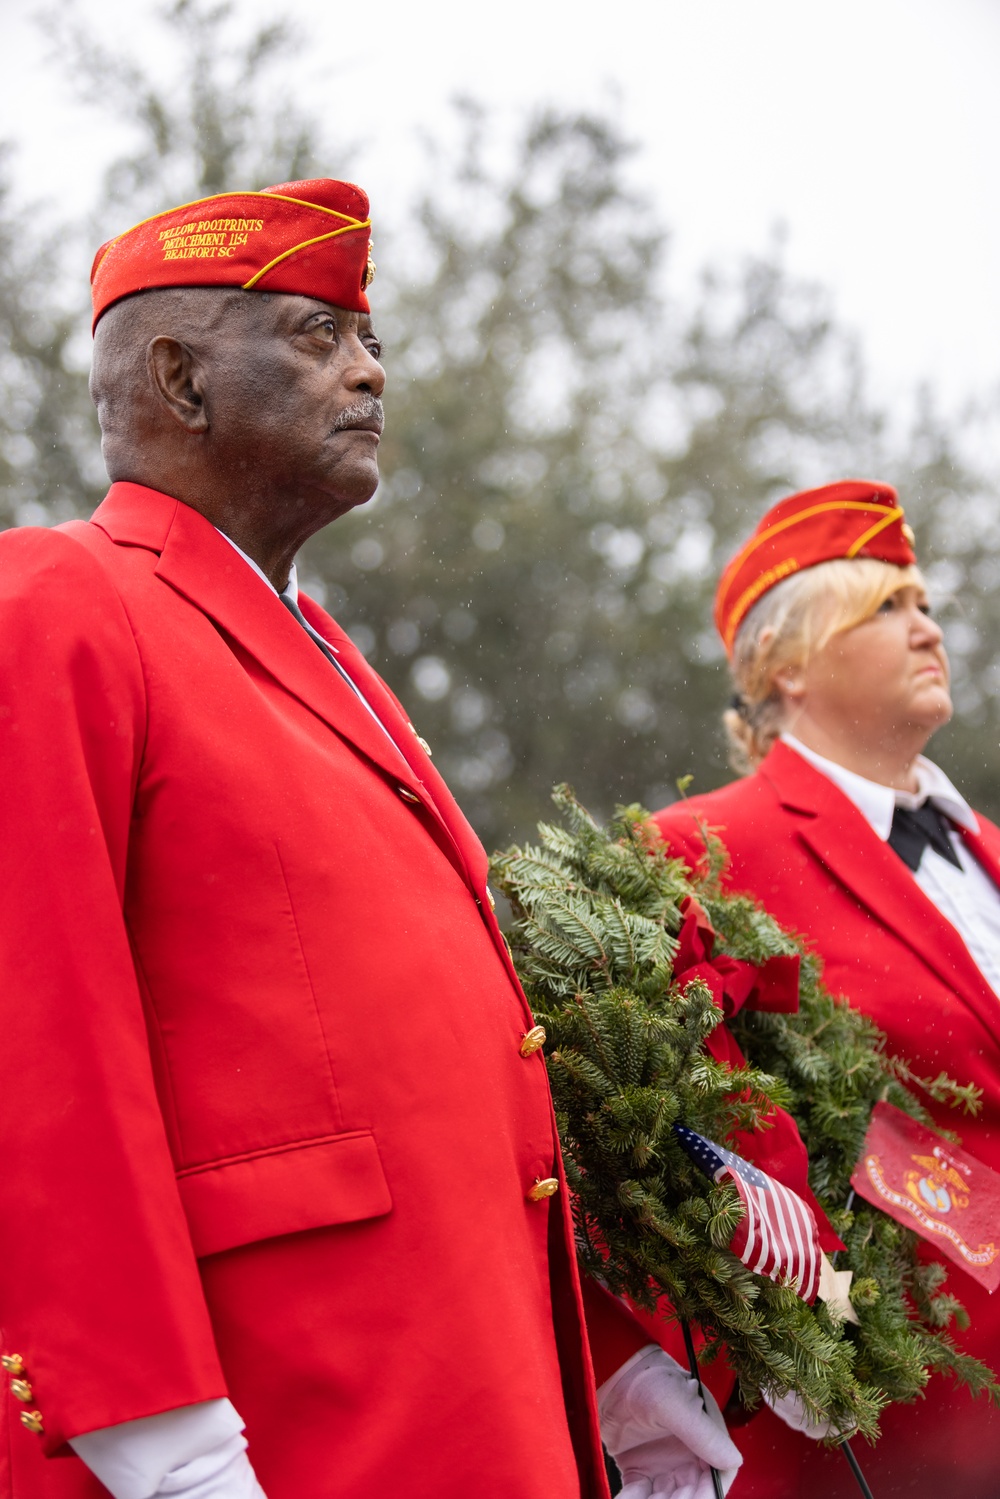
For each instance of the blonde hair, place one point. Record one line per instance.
(795, 619)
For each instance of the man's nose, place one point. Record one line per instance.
(365, 372)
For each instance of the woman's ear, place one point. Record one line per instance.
(790, 682)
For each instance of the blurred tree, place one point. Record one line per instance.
(572, 451)
(948, 476)
(215, 115)
(50, 465)
(569, 459)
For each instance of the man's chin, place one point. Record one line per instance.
(353, 484)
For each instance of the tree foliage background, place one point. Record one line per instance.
(572, 451)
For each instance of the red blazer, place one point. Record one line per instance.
(799, 845)
(268, 1131)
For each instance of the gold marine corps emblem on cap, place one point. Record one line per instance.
(369, 275)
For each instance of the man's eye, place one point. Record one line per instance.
(374, 348)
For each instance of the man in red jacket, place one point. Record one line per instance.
(848, 835)
(279, 1150)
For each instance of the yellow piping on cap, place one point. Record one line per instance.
(320, 238)
(873, 531)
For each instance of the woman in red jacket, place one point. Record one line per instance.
(847, 834)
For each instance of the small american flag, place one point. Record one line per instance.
(777, 1236)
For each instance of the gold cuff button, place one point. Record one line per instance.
(13, 1363)
(408, 796)
(21, 1390)
(533, 1039)
(32, 1420)
(547, 1187)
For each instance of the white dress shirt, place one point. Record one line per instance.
(967, 897)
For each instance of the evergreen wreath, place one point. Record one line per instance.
(596, 914)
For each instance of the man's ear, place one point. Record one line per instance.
(176, 376)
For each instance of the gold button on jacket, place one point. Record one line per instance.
(533, 1039)
(33, 1421)
(13, 1363)
(547, 1187)
(21, 1390)
(420, 739)
(407, 795)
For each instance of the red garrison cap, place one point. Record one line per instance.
(855, 518)
(308, 238)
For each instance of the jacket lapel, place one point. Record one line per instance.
(393, 715)
(202, 566)
(839, 836)
(985, 846)
(464, 839)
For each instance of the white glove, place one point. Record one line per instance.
(660, 1435)
(214, 1475)
(192, 1452)
(794, 1414)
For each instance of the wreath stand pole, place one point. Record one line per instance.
(845, 1445)
(720, 1492)
(852, 1463)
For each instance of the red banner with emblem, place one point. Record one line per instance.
(936, 1188)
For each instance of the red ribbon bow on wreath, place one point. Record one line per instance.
(734, 983)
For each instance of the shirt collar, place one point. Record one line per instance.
(877, 803)
(291, 588)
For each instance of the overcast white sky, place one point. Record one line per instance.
(869, 127)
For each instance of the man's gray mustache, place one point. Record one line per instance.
(365, 409)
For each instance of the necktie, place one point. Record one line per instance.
(327, 650)
(913, 830)
(331, 656)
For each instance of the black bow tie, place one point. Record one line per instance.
(913, 830)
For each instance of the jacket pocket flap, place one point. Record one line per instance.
(309, 1185)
